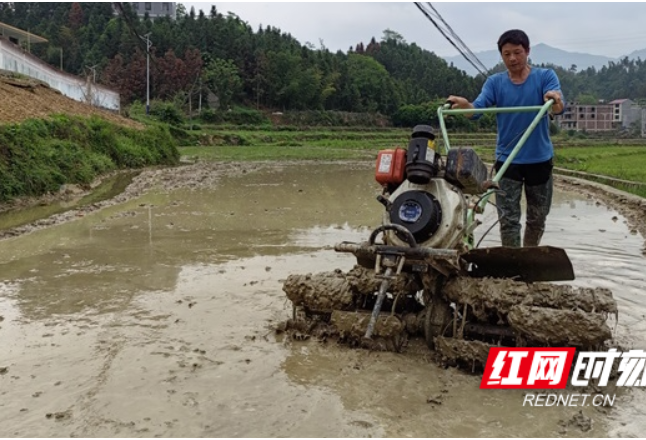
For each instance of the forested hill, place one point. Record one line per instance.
(266, 67)
(261, 67)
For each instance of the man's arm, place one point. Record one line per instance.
(484, 100)
(552, 90)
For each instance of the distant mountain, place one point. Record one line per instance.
(542, 53)
(641, 54)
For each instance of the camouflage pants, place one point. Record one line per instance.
(539, 200)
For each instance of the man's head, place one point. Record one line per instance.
(514, 49)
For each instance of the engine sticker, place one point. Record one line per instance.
(385, 163)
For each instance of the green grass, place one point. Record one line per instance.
(272, 152)
(619, 162)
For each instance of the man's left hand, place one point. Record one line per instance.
(557, 107)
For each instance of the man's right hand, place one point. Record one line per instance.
(458, 102)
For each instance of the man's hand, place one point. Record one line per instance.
(558, 105)
(458, 102)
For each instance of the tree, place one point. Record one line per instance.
(586, 99)
(370, 80)
(76, 18)
(128, 78)
(180, 11)
(390, 35)
(223, 78)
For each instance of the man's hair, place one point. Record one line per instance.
(514, 36)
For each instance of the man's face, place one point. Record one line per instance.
(515, 57)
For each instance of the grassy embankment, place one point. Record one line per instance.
(39, 156)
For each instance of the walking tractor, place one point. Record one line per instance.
(421, 273)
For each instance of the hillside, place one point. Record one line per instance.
(540, 54)
(22, 98)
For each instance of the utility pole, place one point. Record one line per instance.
(200, 100)
(93, 70)
(146, 38)
(90, 90)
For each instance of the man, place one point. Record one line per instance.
(520, 85)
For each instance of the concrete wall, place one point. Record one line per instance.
(14, 59)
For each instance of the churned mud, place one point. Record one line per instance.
(154, 314)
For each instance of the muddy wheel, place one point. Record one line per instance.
(437, 319)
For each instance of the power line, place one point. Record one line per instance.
(131, 27)
(459, 40)
(450, 35)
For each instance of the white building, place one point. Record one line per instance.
(15, 57)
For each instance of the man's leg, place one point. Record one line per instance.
(539, 201)
(508, 204)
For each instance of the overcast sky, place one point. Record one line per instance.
(611, 29)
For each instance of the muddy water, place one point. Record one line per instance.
(153, 318)
(72, 196)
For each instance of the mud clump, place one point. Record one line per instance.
(501, 295)
(322, 292)
(366, 282)
(326, 292)
(355, 324)
(538, 312)
(559, 327)
(489, 311)
(579, 420)
(462, 351)
(348, 328)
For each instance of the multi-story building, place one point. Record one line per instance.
(615, 115)
(625, 112)
(155, 9)
(578, 117)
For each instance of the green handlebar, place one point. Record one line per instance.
(446, 110)
(541, 109)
